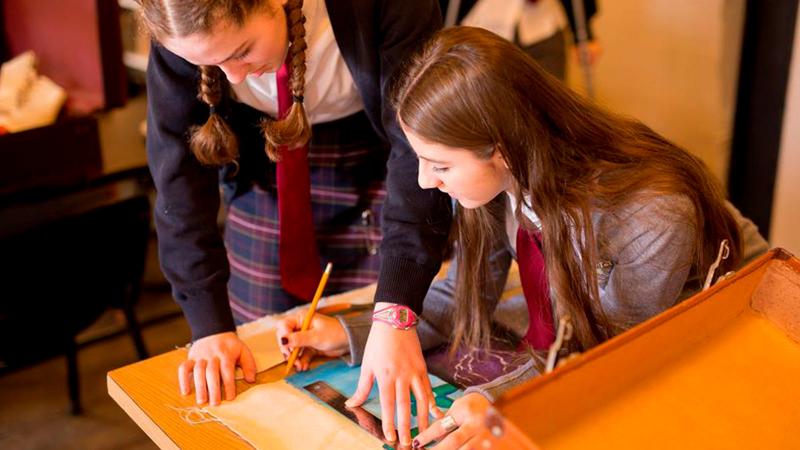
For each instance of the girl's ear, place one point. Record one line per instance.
(499, 156)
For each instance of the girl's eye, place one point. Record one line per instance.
(440, 169)
(241, 56)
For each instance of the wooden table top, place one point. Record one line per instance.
(148, 391)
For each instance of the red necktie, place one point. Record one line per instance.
(533, 278)
(299, 258)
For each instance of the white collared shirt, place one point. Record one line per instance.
(534, 21)
(512, 225)
(330, 92)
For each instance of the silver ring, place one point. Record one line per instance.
(449, 424)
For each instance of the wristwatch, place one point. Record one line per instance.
(398, 316)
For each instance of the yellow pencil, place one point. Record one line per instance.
(310, 314)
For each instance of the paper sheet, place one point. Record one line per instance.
(277, 416)
(282, 415)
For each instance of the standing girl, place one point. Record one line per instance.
(610, 223)
(282, 102)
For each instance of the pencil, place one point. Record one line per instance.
(310, 314)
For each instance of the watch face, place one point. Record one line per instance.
(401, 315)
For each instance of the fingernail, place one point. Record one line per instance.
(415, 444)
(284, 341)
(348, 403)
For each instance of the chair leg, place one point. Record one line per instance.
(73, 379)
(132, 323)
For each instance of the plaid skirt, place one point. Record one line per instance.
(347, 162)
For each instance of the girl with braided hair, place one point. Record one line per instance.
(283, 104)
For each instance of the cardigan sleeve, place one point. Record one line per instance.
(416, 222)
(652, 248)
(191, 249)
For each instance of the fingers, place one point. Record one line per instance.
(364, 387)
(472, 443)
(300, 339)
(283, 329)
(434, 432)
(302, 363)
(248, 364)
(434, 410)
(228, 374)
(184, 379)
(387, 396)
(456, 439)
(201, 395)
(403, 412)
(423, 399)
(212, 381)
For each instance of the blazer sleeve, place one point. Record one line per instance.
(416, 222)
(191, 250)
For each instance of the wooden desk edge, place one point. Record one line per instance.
(156, 434)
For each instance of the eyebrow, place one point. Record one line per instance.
(239, 50)
(435, 161)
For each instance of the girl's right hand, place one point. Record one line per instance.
(324, 336)
(211, 358)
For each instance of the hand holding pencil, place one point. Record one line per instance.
(331, 342)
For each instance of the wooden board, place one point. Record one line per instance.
(712, 372)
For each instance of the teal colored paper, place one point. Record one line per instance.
(344, 379)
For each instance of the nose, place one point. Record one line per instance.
(234, 72)
(426, 178)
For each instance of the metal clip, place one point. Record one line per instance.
(367, 220)
(564, 333)
(724, 252)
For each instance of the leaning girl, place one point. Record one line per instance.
(609, 222)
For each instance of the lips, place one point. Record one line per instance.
(258, 72)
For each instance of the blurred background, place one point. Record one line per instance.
(82, 291)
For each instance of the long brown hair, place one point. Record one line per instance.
(471, 89)
(214, 143)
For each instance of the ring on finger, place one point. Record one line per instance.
(449, 423)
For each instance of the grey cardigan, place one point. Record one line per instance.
(646, 251)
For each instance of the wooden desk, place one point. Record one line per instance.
(147, 390)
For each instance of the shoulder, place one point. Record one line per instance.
(647, 223)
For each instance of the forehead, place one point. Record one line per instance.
(436, 151)
(224, 38)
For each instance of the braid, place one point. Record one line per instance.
(294, 129)
(213, 143)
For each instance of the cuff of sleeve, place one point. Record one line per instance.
(404, 282)
(497, 387)
(207, 314)
(357, 329)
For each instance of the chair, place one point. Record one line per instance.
(65, 260)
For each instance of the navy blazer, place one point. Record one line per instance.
(375, 37)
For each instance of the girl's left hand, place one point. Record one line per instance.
(468, 412)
